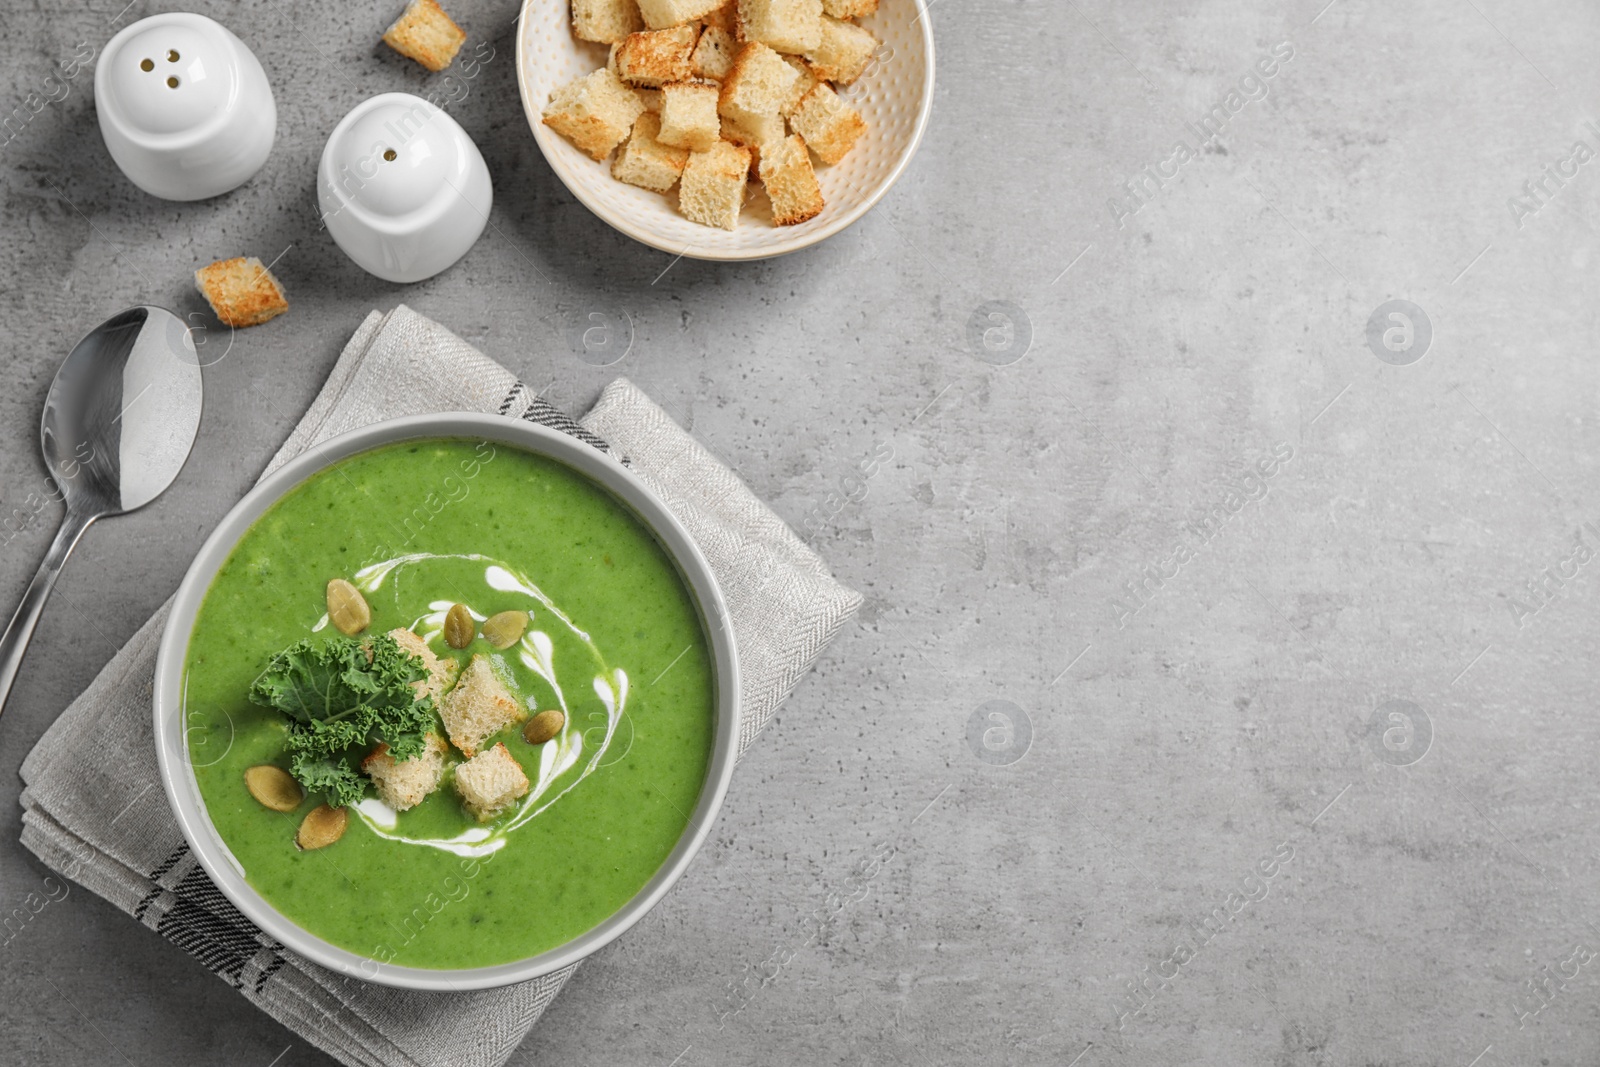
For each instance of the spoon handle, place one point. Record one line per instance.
(20, 630)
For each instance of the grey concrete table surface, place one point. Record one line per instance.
(1284, 587)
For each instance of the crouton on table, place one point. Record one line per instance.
(426, 34)
(241, 291)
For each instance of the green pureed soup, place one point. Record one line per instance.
(614, 640)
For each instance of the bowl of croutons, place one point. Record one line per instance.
(727, 129)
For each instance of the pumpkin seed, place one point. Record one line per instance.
(459, 626)
(321, 827)
(274, 787)
(347, 608)
(505, 629)
(543, 726)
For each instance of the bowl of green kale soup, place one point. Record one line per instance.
(447, 702)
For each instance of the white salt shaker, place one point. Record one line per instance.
(402, 188)
(184, 106)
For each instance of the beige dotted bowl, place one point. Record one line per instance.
(895, 96)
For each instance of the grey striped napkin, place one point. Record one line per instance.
(94, 811)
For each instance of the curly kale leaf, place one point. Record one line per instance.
(335, 779)
(343, 696)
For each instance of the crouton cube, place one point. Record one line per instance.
(689, 116)
(491, 782)
(791, 183)
(241, 291)
(605, 21)
(478, 706)
(725, 17)
(764, 129)
(655, 57)
(712, 191)
(785, 25)
(662, 14)
(423, 32)
(404, 784)
(646, 162)
(803, 84)
(441, 672)
(849, 9)
(758, 85)
(843, 53)
(829, 125)
(713, 56)
(596, 112)
(754, 132)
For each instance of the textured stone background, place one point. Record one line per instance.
(876, 892)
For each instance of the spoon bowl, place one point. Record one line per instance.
(118, 424)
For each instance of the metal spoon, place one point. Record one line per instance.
(118, 424)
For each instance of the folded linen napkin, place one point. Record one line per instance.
(93, 808)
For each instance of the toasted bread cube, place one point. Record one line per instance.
(491, 782)
(849, 9)
(646, 162)
(758, 85)
(605, 21)
(829, 125)
(664, 14)
(404, 784)
(241, 291)
(843, 53)
(596, 112)
(765, 129)
(713, 56)
(478, 706)
(725, 17)
(791, 183)
(803, 84)
(713, 185)
(753, 133)
(655, 57)
(689, 116)
(441, 672)
(786, 25)
(423, 32)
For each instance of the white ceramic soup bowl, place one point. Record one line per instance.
(177, 769)
(894, 95)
